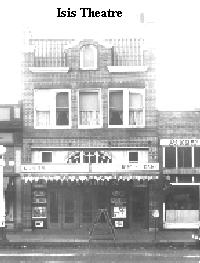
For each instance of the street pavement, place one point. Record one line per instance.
(139, 255)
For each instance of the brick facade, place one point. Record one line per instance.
(58, 67)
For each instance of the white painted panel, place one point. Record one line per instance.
(143, 156)
(181, 225)
(18, 161)
(36, 157)
(119, 155)
(182, 216)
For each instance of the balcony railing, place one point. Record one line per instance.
(127, 53)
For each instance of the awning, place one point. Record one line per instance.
(86, 178)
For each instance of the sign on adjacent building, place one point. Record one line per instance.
(180, 142)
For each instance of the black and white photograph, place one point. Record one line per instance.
(100, 131)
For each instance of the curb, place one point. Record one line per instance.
(95, 244)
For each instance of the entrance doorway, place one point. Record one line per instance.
(139, 207)
(61, 208)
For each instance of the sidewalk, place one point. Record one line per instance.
(125, 237)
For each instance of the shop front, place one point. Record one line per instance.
(72, 201)
(181, 206)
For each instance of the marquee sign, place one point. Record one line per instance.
(180, 142)
(88, 168)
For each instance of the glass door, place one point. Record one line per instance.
(54, 208)
(68, 215)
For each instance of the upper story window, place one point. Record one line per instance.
(185, 157)
(179, 157)
(133, 157)
(46, 157)
(52, 109)
(89, 109)
(73, 157)
(90, 157)
(116, 107)
(88, 57)
(62, 108)
(170, 157)
(138, 156)
(197, 156)
(125, 114)
(135, 108)
(5, 114)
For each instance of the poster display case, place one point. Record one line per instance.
(119, 209)
(39, 206)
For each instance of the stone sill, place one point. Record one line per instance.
(48, 69)
(119, 69)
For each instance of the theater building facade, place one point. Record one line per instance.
(89, 134)
(180, 168)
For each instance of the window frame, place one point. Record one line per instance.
(82, 67)
(52, 110)
(196, 160)
(126, 107)
(177, 160)
(175, 154)
(100, 125)
(60, 109)
(182, 158)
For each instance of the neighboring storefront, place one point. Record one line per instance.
(181, 168)
(11, 139)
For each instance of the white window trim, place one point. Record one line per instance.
(101, 117)
(95, 59)
(52, 110)
(125, 108)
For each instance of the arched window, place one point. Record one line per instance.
(88, 57)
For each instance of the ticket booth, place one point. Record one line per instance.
(119, 209)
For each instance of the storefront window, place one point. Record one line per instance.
(69, 209)
(197, 156)
(170, 157)
(183, 198)
(87, 208)
(9, 205)
(53, 207)
(184, 157)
